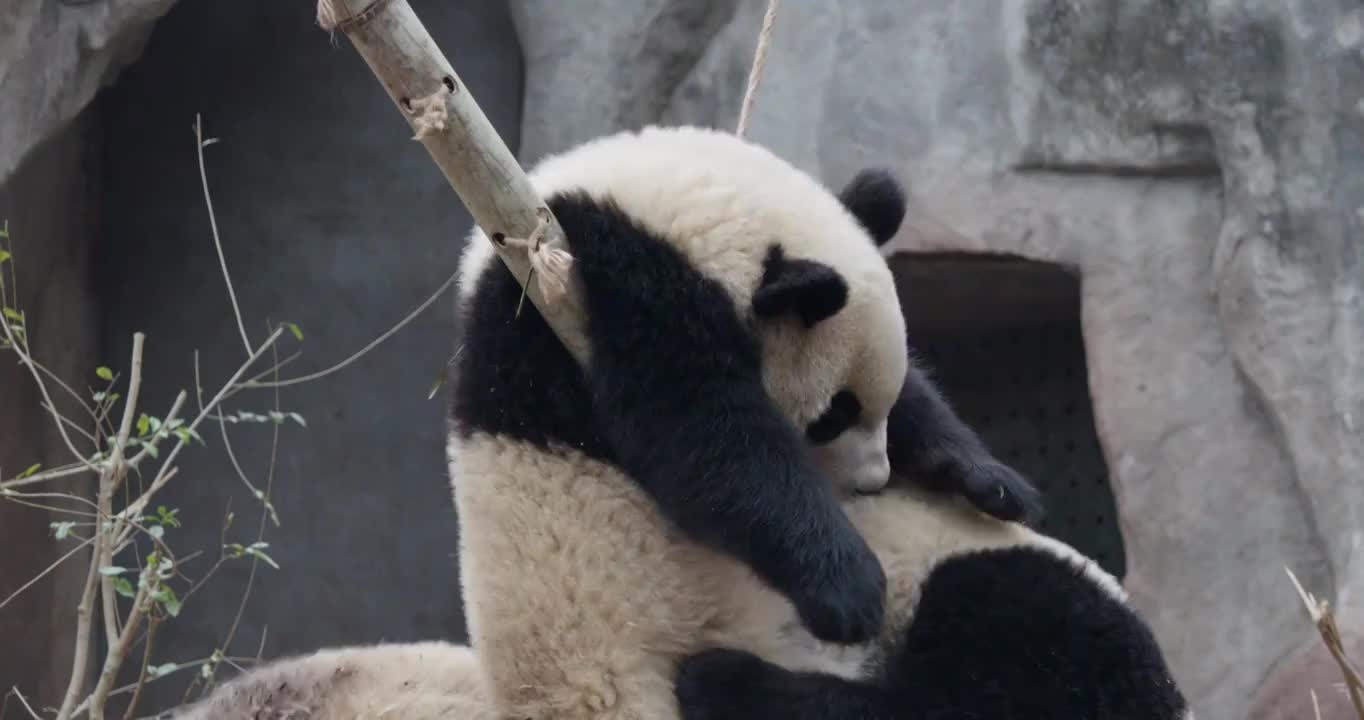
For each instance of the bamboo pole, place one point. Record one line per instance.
(483, 172)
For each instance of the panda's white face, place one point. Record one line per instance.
(800, 263)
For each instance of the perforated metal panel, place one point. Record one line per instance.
(1002, 338)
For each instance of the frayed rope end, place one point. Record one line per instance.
(550, 265)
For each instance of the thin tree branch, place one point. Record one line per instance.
(114, 470)
(44, 573)
(81, 660)
(213, 224)
(364, 350)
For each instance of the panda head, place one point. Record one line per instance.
(800, 264)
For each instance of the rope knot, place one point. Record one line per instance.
(549, 264)
(430, 114)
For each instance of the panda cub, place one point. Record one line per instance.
(745, 350)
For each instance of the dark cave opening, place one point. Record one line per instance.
(1001, 335)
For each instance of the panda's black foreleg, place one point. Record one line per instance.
(734, 685)
(929, 444)
(679, 400)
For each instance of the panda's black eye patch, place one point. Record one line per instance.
(844, 410)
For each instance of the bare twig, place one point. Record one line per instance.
(113, 659)
(213, 225)
(152, 624)
(23, 700)
(755, 72)
(53, 474)
(364, 350)
(72, 424)
(44, 573)
(1324, 619)
(226, 644)
(21, 349)
(81, 660)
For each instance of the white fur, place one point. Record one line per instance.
(408, 681)
(614, 655)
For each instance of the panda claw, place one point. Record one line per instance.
(996, 489)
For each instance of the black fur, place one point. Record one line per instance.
(812, 290)
(876, 199)
(1014, 633)
(928, 444)
(675, 398)
(844, 411)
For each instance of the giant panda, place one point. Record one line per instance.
(984, 619)
(776, 292)
(745, 347)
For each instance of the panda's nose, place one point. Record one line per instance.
(872, 475)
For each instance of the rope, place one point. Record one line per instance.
(332, 22)
(430, 114)
(549, 265)
(755, 73)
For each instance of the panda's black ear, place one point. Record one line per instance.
(812, 290)
(876, 199)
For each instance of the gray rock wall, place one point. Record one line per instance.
(1198, 163)
(52, 203)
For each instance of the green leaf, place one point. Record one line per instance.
(123, 587)
(4, 255)
(112, 570)
(143, 424)
(13, 314)
(298, 334)
(151, 450)
(29, 471)
(298, 419)
(277, 416)
(61, 530)
(156, 531)
(104, 373)
(98, 397)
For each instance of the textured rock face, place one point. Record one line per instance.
(52, 254)
(54, 56)
(1198, 163)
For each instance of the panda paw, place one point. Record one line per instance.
(843, 599)
(996, 489)
(729, 684)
